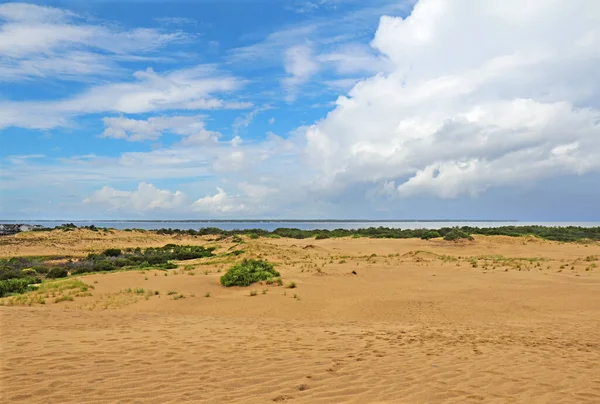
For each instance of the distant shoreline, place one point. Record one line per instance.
(264, 221)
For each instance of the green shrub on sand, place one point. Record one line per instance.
(248, 272)
(456, 234)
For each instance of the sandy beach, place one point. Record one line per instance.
(495, 320)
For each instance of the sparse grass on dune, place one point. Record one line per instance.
(59, 291)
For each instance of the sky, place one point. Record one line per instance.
(292, 109)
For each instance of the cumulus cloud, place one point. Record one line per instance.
(146, 197)
(218, 203)
(479, 94)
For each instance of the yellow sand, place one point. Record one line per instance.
(416, 324)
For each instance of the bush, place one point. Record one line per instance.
(16, 285)
(29, 272)
(248, 272)
(104, 266)
(456, 234)
(321, 236)
(112, 252)
(58, 272)
(168, 265)
(430, 234)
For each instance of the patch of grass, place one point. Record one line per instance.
(291, 285)
(277, 281)
(264, 291)
(247, 272)
(64, 298)
(253, 293)
(180, 296)
(207, 294)
(171, 292)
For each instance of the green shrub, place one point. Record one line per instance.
(104, 266)
(20, 285)
(456, 234)
(168, 265)
(321, 236)
(430, 234)
(29, 272)
(248, 272)
(112, 252)
(58, 272)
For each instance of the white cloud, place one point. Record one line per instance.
(300, 66)
(153, 128)
(479, 95)
(146, 197)
(186, 89)
(242, 122)
(176, 20)
(351, 59)
(256, 191)
(218, 203)
(271, 121)
(38, 41)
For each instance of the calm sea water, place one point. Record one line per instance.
(304, 225)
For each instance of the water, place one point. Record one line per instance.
(270, 225)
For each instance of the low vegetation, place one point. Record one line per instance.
(14, 286)
(457, 234)
(566, 234)
(109, 260)
(58, 291)
(249, 271)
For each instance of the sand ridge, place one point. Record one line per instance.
(493, 320)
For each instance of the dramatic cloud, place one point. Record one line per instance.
(460, 99)
(480, 94)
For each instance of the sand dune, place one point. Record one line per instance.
(511, 320)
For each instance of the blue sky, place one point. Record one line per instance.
(300, 109)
